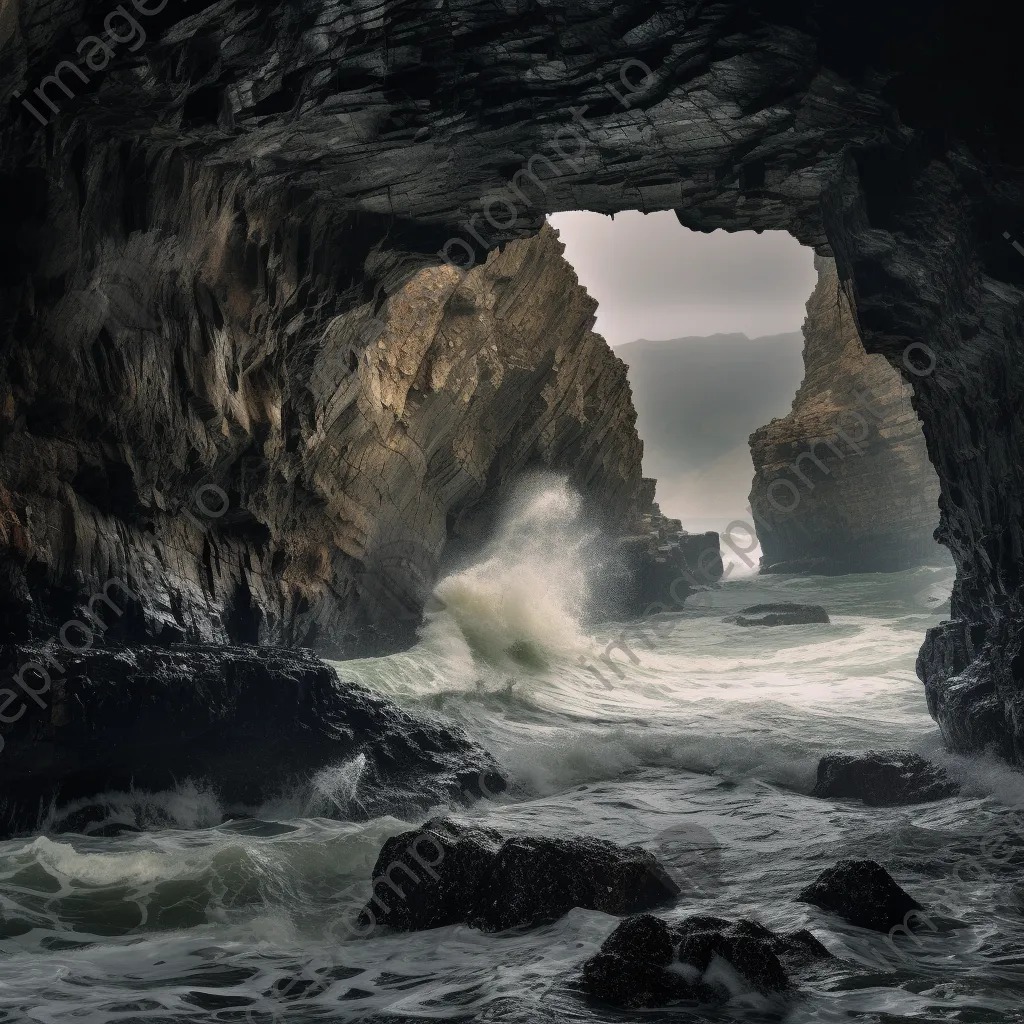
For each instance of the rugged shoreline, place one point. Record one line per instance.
(250, 724)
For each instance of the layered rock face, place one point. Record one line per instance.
(843, 483)
(300, 162)
(261, 473)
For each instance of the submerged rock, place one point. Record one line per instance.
(246, 724)
(647, 963)
(864, 893)
(632, 968)
(883, 778)
(749, 954)
(447, 873)
(782, 613)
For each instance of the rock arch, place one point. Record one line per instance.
(320, 154)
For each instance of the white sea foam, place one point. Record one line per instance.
(703, 751)
(523, 601)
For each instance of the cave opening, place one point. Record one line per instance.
(758, 408)
(298, 258)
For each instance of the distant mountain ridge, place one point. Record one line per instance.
(697, 400)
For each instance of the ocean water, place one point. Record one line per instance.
(699, 741)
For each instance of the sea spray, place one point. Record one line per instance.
(188, 805)
(333, 789)
(524, 599)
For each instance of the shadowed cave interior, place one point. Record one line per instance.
(284, 329)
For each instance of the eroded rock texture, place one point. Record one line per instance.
(253, 171)
(342, 455)
(251, 725)
(843, 482)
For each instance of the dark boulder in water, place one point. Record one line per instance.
(643, 937)
(646, 963)
(447, 872)
(249, 724)
(537, 879)
(639, 984)
(746, 946)
(632, 968)
(431, 877)
(883, 778)
(864, 893)
(782, 613)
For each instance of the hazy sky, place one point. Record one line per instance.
(655, 279)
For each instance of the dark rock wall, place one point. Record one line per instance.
(843, 482)
(359, 139)
(142, 403)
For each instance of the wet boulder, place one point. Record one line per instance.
(634, 968)
(646, 962)
(245, 724)
(863, 893)
(883, 778)
(431, 877)
(800, 950)
(538, 879)
(746, 946)
(447, 872)
(783, 613)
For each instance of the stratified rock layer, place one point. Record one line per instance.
(265, 473)
(843, 483)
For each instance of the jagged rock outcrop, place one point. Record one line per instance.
(656, 564)
(284, 478)
(843, 483)
(299, 163)
(251, 725)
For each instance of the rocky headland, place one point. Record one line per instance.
(290, 481)
(843, 482)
